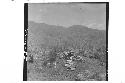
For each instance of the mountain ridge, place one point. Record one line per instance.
(50, 34)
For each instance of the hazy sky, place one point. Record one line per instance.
(68, 14)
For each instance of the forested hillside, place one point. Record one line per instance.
(59, 53)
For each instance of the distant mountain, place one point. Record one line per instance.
(74, 35)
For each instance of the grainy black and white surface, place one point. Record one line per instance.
(66, 41)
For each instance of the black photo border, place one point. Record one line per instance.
(25, 41)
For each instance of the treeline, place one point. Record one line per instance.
(90, 42)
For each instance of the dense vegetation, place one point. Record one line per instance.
(58, 53)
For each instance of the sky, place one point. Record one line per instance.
(68, 14)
